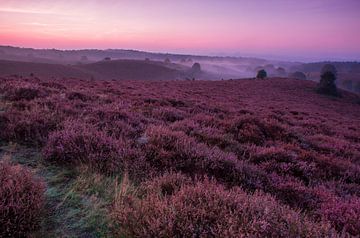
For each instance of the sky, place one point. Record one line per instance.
(297, 30)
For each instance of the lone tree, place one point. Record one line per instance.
(261, 74)
(196, 68)
(327, 81)
(298, 75)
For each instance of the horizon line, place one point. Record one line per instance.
(211, 55)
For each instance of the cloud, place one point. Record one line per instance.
(29, 11)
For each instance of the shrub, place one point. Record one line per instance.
(78, 96)
(261, 74)
(21, 201)
(168, 114)
(253, 130)
(117, 121)
(29, 127)
(82, 143)
(18, 90)
(327, 81)
(329, 68)
(343, 215)
(165, 185)
(298, 75)
(206, 209)
(23, 94)
(174, 151)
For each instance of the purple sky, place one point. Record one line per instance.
(282, 29)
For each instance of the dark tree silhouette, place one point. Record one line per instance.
(261, 74)
(327, 81)
(196, 68)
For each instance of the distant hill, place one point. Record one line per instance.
(131, 70)
(41, 70)
(117, 69)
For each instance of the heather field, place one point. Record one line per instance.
(231, 158)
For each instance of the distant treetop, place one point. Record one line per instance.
(261, 74)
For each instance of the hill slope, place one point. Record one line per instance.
(131, 70)
(117, 69)
(277, 153)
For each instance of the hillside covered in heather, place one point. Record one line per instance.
(230, 158)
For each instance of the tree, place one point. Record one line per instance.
(167, 61)
(329, 68)
(196, 68)
(281, 71)
(298, 75)
(261, 74)
(327, 81)
(107, 58)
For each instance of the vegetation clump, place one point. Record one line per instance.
(262, 74)
(298, 75)
(80, 143)
(206, 209)
(21, 201)
(327, 83)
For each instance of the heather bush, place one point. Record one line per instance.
(78, 96)
(29, 127)
(285, 161)
(168, 150)
(297, 195)
(344, 215)
(82, 143)
(117, 121)
(206, 209)
(21, 201)
(255, 131)
(168, 114)
(174, 151)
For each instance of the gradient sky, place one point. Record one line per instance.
(281, 29)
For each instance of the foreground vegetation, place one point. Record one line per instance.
(182, 158)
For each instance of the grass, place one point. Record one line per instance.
(77, 200)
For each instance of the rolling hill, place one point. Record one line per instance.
(115, 69)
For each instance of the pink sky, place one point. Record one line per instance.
(288, 29)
